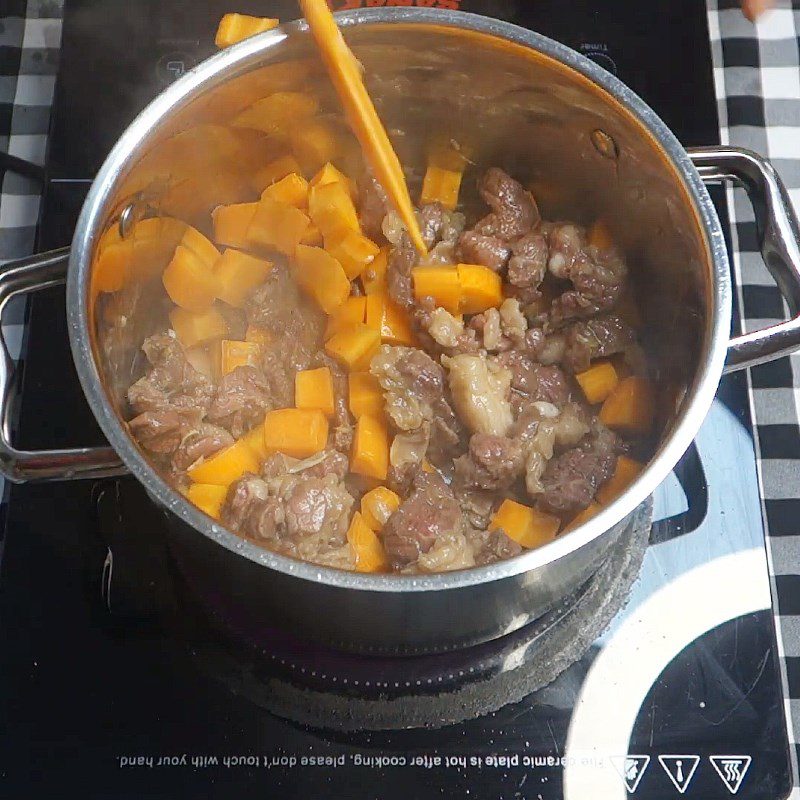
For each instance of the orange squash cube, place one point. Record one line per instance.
(354, 346)
(200, 245)
(441, 186)
(315, 142)
(392, 321)
(353, 251)
(312, 237)
(321, 276)
(377, 506)
(254, 439)
(226, 466)
(208, 498)
(332, 210)
(295, 432)
(441, 283)
(234, 28)
(598, 381)
(231, 223)
(527, 526)
(278, 113)
(277, 226)
(275, 171)
(370, 453)
(329, 174)
(313, 388)
(367, 547)
(238, 275)
(630, 409)
(190, 284)
(481, 288)
(625, 473)
(197, 327)
(373, 278)
(353, 310)
(292, 190)
(365, 395)
(230, 354)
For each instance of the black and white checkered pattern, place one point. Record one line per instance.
(757, 77)
(758, 85)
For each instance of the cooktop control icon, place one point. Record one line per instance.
(680, 769)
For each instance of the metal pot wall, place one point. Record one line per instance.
(517, 100)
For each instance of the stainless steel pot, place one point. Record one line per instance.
(521, 101)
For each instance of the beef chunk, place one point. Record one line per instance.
(202, 442)
(161, 432)
(317, 507)
(241, 400)
(480, 390)
(597, 275)
(492, 546)
(493, 462)
(514, 210)
(478, 248)
(171, 383)
(429, 513)
(251, 511)
(528, 265)
(572, 479)
(372, 207)
(342, 429)
(596, 338)
(534, 380)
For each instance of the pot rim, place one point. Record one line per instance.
(252, 52)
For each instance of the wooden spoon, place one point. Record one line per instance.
(344, 72)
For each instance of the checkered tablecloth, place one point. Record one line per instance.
(757, 77)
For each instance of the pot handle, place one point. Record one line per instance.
(779, 237)
(21, 466)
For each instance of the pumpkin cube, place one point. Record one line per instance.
(625, 473)
(481, 288)
(313, 388)
(255, 441)
(295, 432)
(197, 327)
(190, 284)
(231, 223)
(312, 237)
(329, 174)
(315, 142)
(238, 275)
(226, 466)
(365, 395)
(441, 283)
(354, 346)
(321, 276)
(275, 171)
(228, 354)
(367, 547)
(527, 526)
(377, 506)
(277, 226)
(332, 210)
(353, 251)
(386, 316)
(441, 186)
(630, 409)
(373, 278)
(236, 27)
(278, 113)
(208, 498)
(292, 190)
(370, 453)
(200, 246)
(598, 381)
(353, 310)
